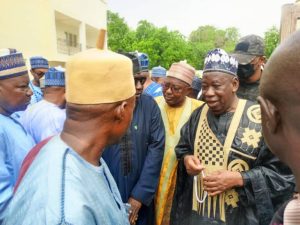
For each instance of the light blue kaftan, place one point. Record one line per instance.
(60, 187)
(37, 94)
(154, 90)
(43, 119)
(15, 143)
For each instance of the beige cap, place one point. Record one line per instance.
(182, 71)
(98, 76)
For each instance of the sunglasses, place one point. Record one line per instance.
(142, 80)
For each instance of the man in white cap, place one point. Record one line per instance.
(226, 174)
(15, 142)
(176, 109)
(64, 179)
(46, 118)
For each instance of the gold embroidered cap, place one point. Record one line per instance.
(182, 71)
(12, 64)
(98, 76)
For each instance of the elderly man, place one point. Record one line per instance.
(64, 179)
(176, 109)
(46, 118)
(15, 142)
(135, 162)
(249, 52)
(227, 176)
(280, 116)
(39, 66)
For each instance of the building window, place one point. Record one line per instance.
(71, 39)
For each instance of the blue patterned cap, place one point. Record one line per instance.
(55, 77)
(144, 61)
(196, 83)
(218, 60)
(37, 62)
(12, 64)
(158, 72)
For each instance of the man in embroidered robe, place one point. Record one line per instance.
(135, 162)
(39, 66)
(15, 142)
(46, 118)
(176, 109)
(64, 179)
(279, 103)
(241, 181)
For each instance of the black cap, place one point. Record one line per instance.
(248, 48)
(135, 61)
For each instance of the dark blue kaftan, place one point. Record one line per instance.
(135, 162)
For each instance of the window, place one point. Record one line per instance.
(71, 39)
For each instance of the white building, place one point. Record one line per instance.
(54, 29)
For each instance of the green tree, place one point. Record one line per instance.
(118, 33)
(165, 47)
(271, 40)
(206, 38)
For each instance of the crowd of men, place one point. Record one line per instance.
(108, 141)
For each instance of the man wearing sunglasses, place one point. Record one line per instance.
(176, 109)
(135, 162)
(249, 53)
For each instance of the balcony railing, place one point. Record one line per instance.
(65, 48)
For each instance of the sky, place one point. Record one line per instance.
(249, 16)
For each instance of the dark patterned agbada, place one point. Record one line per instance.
(231, 141)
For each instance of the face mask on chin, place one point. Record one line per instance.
(245, 71)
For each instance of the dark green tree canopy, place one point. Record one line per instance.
(165, 47)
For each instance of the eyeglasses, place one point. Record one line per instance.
(174, 88)
(142, 80)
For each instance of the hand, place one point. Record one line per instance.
(220, 181)
(134, 210)
(192, 165)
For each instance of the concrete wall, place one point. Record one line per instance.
(289, 20)
(30, 25)
(92, 12)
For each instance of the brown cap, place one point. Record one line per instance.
(182, 71)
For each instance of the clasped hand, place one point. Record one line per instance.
(214, 183)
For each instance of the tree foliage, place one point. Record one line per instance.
(118, 32)
(165, 47)
(208, 37)
(271, 40)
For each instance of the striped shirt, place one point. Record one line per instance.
(292, 212)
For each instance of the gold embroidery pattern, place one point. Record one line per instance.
(254, 114)
(209, 151)
(251, 137)
(231, 196)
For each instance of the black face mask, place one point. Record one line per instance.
(245, 71)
